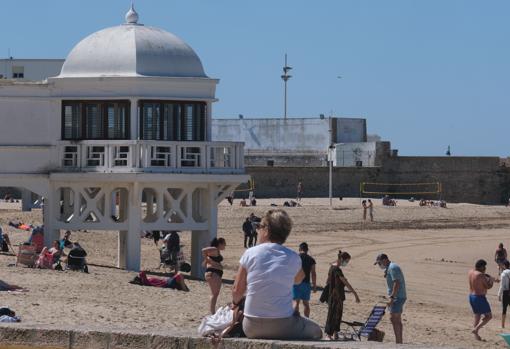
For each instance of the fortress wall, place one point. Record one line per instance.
(479, 180)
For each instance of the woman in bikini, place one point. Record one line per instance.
(214, 269)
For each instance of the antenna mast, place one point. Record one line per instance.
(285, 77)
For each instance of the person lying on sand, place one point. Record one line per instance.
(4, 286)
(176, 282)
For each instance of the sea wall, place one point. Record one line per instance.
(16, 337)
(480, 180)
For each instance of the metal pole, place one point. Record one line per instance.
(330, 156)
(285, 77)
(330, 180)
(285, 96)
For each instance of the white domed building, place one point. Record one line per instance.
(121, 140)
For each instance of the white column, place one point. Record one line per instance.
(202, 238)
(50, 211)
(134, 241)
(149, 202)
(130, 241)
(122, 245)
(26, 200)
(67, 204)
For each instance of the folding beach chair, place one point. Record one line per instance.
(506, 337)
(367, 329)
(27, 255)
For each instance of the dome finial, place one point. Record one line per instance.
(131, 15)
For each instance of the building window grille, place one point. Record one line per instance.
(173, 120)
(82, 120)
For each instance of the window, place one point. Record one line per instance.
(18, 72)
(95, 120)
(172, 120)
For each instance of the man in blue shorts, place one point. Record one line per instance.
(302, 291)
(479, 283)
(396, 291)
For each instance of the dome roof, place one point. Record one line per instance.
(132, 49)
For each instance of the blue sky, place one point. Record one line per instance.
(425, 74)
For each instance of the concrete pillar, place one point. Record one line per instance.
(130, 241)
(67, 203)
(50, 211)
(122, 245)
(201, 239)
(26, 200)
(113, 204)
(149, 201)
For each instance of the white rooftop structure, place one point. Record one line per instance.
(121, 140)
(132, 49)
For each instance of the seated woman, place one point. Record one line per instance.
(49, 257)
(5, 242)
(267, 274)
(176, 282)
(4, 286)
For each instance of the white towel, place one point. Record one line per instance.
(216, 323)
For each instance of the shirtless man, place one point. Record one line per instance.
(479, 283)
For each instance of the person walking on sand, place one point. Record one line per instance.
(300, 191)
(479, 283)
(371, 210)
(500, 256)
(504, 291)
(396, 291)
(301, 292)
(248, 233)
(214, 269)
(337, 283)
(365, 207)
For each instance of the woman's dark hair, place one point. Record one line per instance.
(506, 264)
(56, 242)
(217, 242)
(278, 224)
(343, 255)
(303, 247)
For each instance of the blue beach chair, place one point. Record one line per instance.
(506, 337)
(368, 328)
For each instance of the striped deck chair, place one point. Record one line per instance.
(368, 328)
(27, 255)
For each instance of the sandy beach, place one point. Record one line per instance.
(435, 248)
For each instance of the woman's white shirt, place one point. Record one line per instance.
(271, 270)
(504, 285)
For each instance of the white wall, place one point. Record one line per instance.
(29, 121)
(307, 135)
(34, 69)
(347, 154)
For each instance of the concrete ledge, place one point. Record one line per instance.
(13, 336)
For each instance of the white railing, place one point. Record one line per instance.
(151, 156)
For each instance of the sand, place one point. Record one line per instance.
(435, 248)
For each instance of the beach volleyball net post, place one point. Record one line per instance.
(246, 187)
(402, 190)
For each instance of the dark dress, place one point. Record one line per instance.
(335, 301)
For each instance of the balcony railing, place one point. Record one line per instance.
(152, 156)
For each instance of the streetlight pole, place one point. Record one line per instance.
(285, 77)
(330, 160)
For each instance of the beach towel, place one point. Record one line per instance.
(215, 324)
(6, 318)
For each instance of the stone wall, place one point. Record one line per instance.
(464, 179)
(14, 336)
